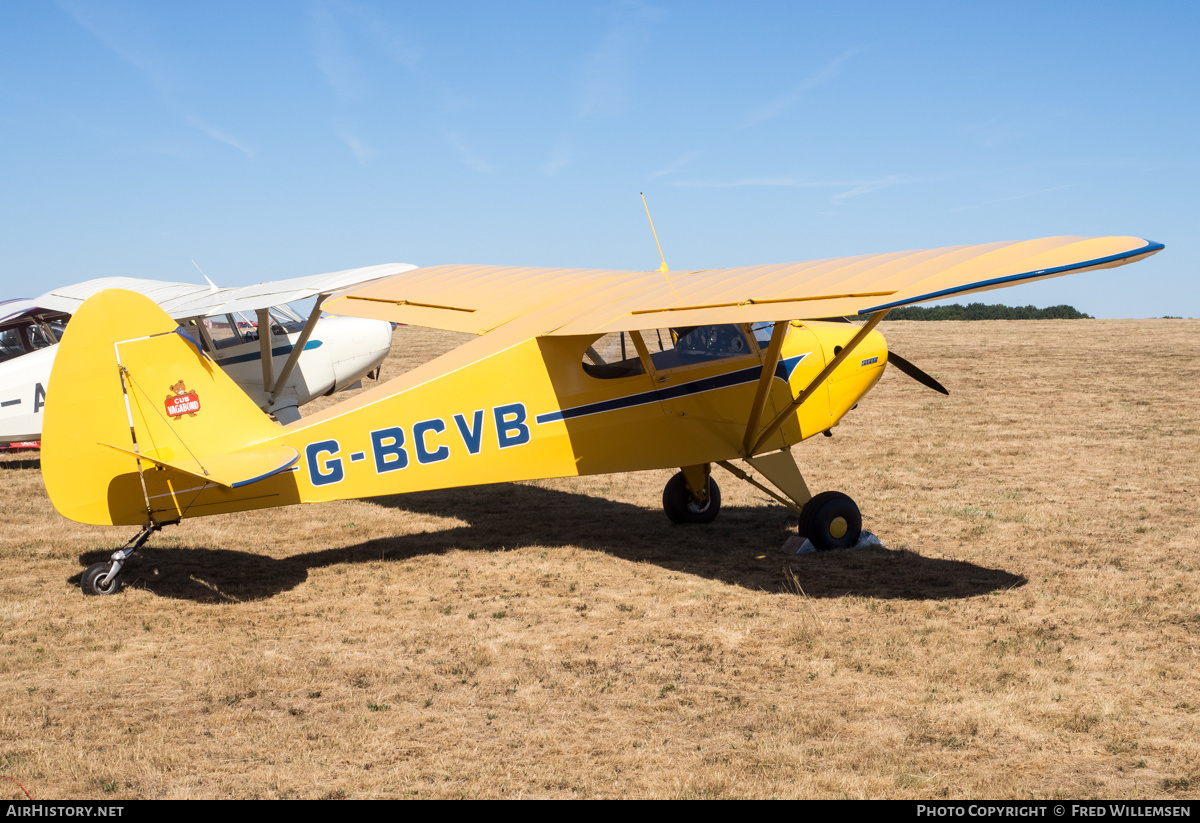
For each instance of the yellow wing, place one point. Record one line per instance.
(587, 301)
(478, 299)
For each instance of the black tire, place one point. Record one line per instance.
(682, 508)
(90, 582)
(831, 520)
(806, 511)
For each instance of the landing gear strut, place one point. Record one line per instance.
(830, 520)
(105, 578)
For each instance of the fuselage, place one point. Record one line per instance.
(505, 406)
(540, 409)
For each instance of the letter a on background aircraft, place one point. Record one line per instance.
(573, 372)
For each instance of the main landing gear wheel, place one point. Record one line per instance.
(97, 580)
(681, 507)
(831, 520)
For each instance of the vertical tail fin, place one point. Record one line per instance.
(138, 418)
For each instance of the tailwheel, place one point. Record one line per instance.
(682, 506)
(101, 579)
(105, 578)
(831, 520)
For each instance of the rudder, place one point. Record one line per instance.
(126, 379)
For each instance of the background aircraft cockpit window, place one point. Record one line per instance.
(246, 325)
(224, 331)
(234, 329)
(32, 331)
(11, 344)
(29, 334)
(284, 321)
(38, 337)
(613, 355)
(687, 345)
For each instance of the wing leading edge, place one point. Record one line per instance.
(583, 301)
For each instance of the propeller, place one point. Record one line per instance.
(915, 373)
(902, 364)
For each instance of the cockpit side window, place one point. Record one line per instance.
(762, 334)
(613, 355)
(689, 345)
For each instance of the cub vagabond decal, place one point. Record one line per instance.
(181, 401)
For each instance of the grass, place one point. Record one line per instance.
(1030, 629)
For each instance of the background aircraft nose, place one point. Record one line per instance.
(357, 346)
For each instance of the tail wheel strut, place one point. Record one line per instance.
(105, 578)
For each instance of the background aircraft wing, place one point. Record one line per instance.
(182, 300)
(16, 309)
(478, 299)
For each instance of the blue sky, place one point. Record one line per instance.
(267, 140)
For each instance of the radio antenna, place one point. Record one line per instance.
(211, 285)
(663, 268)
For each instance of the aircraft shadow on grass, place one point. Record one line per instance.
(741, 548)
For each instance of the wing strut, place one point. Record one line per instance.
(741, 475)
(205, 335)
(783, 416)
(264, 346)
(770, 362)
(294, 357)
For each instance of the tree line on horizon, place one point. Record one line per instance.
(980, 311)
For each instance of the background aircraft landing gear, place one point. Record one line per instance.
(831, 520)
(105, 578)
(682, 507)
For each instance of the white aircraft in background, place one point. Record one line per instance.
(279, 358)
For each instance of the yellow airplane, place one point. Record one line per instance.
(574, 372)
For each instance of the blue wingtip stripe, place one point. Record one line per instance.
(1149, 248)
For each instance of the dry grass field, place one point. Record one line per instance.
(1031, 628)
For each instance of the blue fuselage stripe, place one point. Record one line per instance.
(721, 381)
(278, 351)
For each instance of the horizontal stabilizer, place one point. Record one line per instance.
(229, 470)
